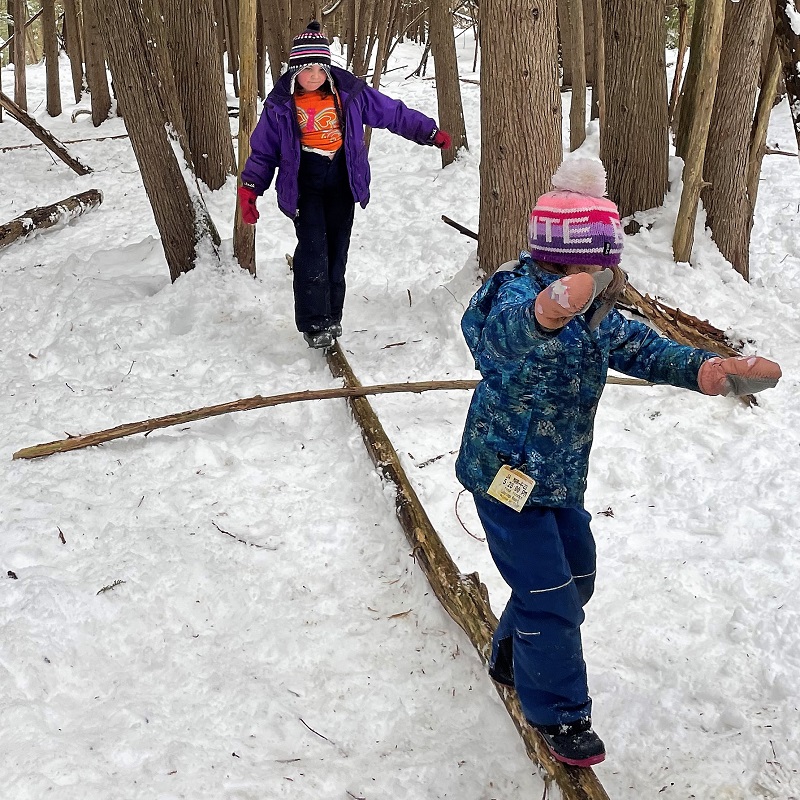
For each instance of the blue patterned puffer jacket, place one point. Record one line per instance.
(535, 407)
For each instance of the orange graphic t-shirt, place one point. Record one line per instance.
(318, 121)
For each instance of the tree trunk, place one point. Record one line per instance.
(634, 140)
(244, 236)
(788, 36)
(520, 151)
(135, 42)
(50, 44)
(565, 39)
(448, 87)
(201, 88)
(20, 16)
(232, 39)
(599, 82)
(95, 63)
(43, 217)
(729, 209)
(682, 122)
(276, 35)
(707, 45)
(766, 102)
(73, 41)
(577, 110)
(683, 42)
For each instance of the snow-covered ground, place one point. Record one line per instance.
(147, 654)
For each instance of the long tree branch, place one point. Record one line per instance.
(248, 404)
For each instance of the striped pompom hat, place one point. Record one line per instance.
(575, 224)
(310, 47)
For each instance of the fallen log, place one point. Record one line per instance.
(42, 134)
(43, 217)
(248, 404)
(464, 597)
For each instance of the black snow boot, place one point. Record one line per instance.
(319, 340)
(573, 743)
(335, 330)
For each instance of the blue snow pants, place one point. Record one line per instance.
(323, 224)
(547, 557)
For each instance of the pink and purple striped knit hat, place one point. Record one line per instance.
(310, 47)
(575, 224)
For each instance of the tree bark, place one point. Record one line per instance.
(50, 44)
(565, 40)
(232, 40)
(702, 97)
(599, 81)
(244, 236)
(43, 217)
(683, 42)
(789, 44)
(276, 35)
(766, 102)
(73, 40)
(634, 140)
(682, 122)
(448, 88)
(520, 152)
(199, 80)
(729, 208)
(135, 42)
(577, 110)
(43, 135)
(20, 18)
(95, 63)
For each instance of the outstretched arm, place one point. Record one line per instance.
(382, 111)
(639, 351)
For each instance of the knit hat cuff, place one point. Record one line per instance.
(574, 256)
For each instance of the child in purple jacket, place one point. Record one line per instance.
(312, 132)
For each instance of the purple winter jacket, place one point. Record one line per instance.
(275, 143)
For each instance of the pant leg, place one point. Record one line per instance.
(312, 304)
(544, 611)
(339, 214)
(579, 548)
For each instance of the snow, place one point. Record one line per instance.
(230, 609)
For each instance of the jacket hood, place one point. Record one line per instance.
(281, 94)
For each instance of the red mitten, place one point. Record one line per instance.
(742, 375)
(556, 305)
(247, 204)
(442, 140)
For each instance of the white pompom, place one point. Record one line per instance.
(581, 175)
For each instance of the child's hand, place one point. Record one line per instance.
(247, 204)
(742, 375)
(442, 140)
(556, 305)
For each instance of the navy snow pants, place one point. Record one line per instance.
(323, 224)
(547, 557)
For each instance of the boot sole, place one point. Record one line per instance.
(577, 762)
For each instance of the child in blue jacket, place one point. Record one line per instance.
(312, 132)
(543, 335)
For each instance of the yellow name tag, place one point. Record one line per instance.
(511, 487)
